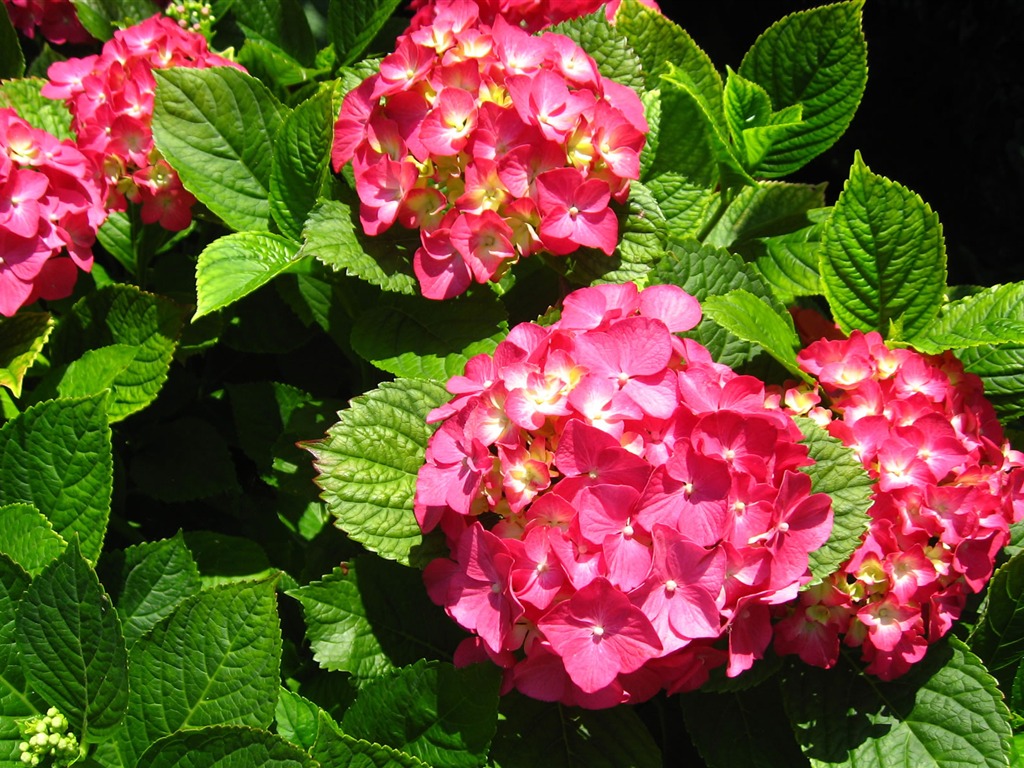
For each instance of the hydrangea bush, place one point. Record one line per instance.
(470, 384)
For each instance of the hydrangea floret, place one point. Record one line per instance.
(54, 20)
(531, 15)
(622, 513)
(110, 96)
(50, 209)
(493, 143)
(46, 738)
(947, 487)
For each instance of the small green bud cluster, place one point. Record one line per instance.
(47, 736)
(193, 15)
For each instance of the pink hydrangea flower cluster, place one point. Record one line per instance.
(531, 15)
(54, 20)
(493, 143)
(622, 512)
(50, 209)
(110, 96)
(947, 487)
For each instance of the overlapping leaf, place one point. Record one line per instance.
(372, 616)
(213, 661)
(71, 645)
(334, 235)
(442, 715)
(225, 747)
(301, 163)
(28, 538)
(57, 457)
(216, 127)
(235, 265)
(369, 461)
(421, 338)
(946, 712)
(816, 59)
(158, 576)
(884, 259)
(992, 316)
(21, 340)
(136, 330)
(839, 473)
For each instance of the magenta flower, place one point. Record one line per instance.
(650, 540)
(472, 117)
(599, 634)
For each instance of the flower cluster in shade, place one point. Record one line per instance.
(54, 20)
(50, 209)
(531, 15)
(946, 488)
(622, 513)
(110, 96)
(493, 143)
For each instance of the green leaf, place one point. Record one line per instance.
(121, 314)
(752, 319)
(132, 242)
(158, 576)
(225, 747)
(24, 97)
(57, 456)
(273, 66)
(71, 645)
(339, 750)
(334, 235)
(703, 271)
(28, 538)
(354, 23)
(998, 635)
(297, 719)
(642, 242)
(768, 209)
(759, 734)
(370, 616)
(946, 712)
(685, 205)
(281, 23)
(369, 461)
(301, 163)
(990, 317)
(224, 559)
(661, 43)
(838, 472)
(214, 661)
(607, 45)
(753, 126)
(685, 143)
(1001, 368)
(533, 733)
(22, 338)
(12, 60)
(883, 259)
(216, 127)
(789, 263)
(442, 715)
(97, 370)
(101, 17)
(426, 339)
(235, 265)
(816, 59)
(16, 700)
